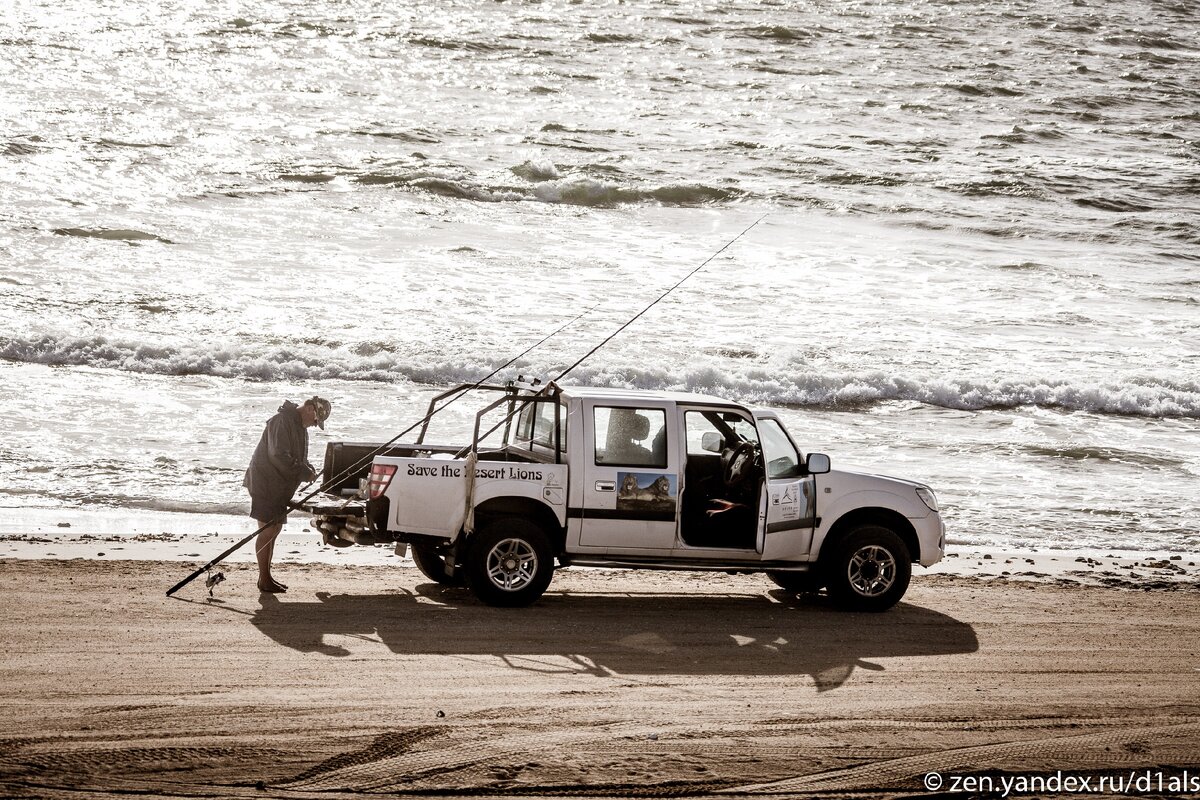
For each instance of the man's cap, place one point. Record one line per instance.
(322, 407)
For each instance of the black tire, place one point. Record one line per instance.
(433, 566)
(798, 582)
(869, 570)
(509, 562)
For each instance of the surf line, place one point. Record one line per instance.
(332, 481)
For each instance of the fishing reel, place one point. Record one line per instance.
(212, 580)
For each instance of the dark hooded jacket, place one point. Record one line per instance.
(280, 462)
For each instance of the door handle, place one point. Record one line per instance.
(606, 486)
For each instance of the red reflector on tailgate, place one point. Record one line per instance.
(378, 479)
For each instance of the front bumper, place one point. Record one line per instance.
(931, 533)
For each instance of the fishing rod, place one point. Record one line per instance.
(331, 481)
(658, 299)
(609, 338)
(213, 580)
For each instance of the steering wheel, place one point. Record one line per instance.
(736, 463)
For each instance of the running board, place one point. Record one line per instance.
(692, 566)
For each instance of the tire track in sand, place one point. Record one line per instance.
(907, 772)
(482, 764)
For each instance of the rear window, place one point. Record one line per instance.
(535, 425)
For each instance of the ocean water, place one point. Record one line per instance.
(977, 265)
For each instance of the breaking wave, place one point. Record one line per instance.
(767, 386)
(112, 234)
(588, 192)
(539, 182)
(85, 496)
(267, 364)
(752, 383)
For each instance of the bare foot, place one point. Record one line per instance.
(272, 587)
(722, 506)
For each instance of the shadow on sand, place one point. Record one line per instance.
(623, 634)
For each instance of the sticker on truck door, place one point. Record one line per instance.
(789, 504)
(796, 501)
(647, 491)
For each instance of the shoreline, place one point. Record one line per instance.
(1147, 571)
(32, 534)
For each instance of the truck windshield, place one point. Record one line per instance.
(781, 458)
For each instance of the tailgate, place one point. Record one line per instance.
(428, 496)
(328, 505)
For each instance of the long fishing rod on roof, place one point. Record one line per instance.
(553, 383)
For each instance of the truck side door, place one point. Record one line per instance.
(630, 477)
(787, 531)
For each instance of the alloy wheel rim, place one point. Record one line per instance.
(871, 571)
(511, 564)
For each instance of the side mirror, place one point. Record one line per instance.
(711, 442)
(817, 463)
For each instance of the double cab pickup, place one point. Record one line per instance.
(575, 476)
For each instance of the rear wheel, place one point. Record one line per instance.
(509, 563)
(433, 566)
(870, 569)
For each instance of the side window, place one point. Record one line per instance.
(700, 432)
(631, 437)
(781, 458)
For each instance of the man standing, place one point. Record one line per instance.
(279, 465)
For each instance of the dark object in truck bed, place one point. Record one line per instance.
(354, 458)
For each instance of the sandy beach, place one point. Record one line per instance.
(370, 679)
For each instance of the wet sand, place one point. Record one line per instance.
(371, 679)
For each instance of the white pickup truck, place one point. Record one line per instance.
(630, 479)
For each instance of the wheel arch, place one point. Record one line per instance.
(873, 515)
(526, 507)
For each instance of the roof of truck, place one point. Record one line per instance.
(609, 393)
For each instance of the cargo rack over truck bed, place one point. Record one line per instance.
(346, 464)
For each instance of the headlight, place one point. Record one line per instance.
(927, 497)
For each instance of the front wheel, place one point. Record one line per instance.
(433, 566)
(870, 569)
(509, 563)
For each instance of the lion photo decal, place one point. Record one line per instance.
(646, 491)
